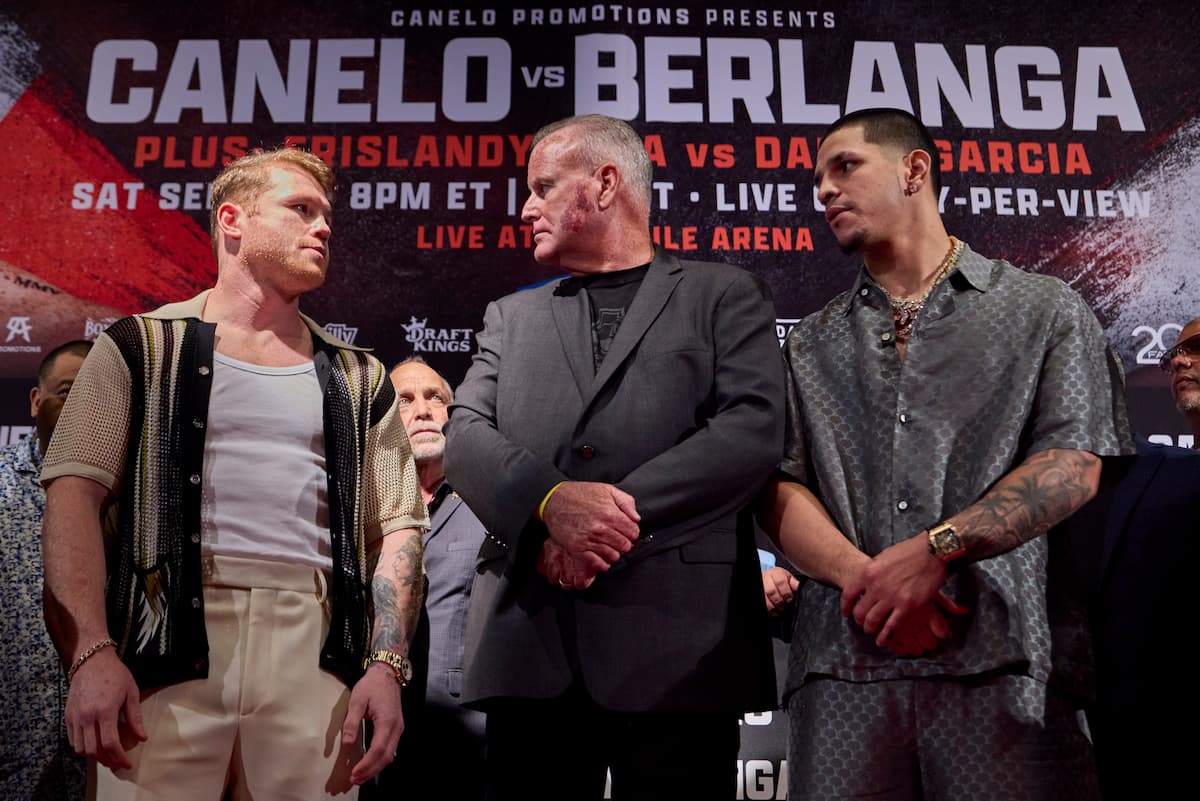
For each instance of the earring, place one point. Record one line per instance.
(912, 189)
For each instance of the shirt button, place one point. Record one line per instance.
(198, 423)
(863, 291)
(204, 370)
(194, 478)
(902, 505)
(903, 417)
(886, 337)
(587, 451)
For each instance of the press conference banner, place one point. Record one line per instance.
(1068, 137)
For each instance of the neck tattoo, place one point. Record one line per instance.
(904, 311)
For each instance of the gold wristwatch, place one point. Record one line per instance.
(944, 542)
(397, 662)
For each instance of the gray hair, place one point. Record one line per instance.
(604, 139)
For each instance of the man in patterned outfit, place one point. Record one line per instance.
(944, 414)
(263, 485)
(37, 760)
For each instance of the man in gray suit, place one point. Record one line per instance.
(609, 433)
(441, 752)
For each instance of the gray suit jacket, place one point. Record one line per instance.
(451, 546)
(686, 415)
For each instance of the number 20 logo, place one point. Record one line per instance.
(1153, 350)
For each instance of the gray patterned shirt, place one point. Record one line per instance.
(1001, 364)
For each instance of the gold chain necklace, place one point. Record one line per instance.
(904, 311)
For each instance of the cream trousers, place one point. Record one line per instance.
(266, 723)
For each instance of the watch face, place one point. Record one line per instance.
(946, 540)
(396, 662)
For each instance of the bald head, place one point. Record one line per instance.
(1184, 367)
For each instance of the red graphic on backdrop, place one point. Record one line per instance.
(125, 258)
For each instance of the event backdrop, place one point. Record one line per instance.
(1068, 137)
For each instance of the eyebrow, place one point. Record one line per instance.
(308, 197)
(835, 158)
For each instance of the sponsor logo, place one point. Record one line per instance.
(783, 327)
(19, 328)
(425, 339)
(1156, 341)
(94, 328)
(344, 332)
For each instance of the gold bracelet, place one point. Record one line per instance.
(88, 654)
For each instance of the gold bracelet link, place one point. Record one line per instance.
(88, 654)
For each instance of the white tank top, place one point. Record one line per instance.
(266, 494)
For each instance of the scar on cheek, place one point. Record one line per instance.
(581, 199)
(572, 219)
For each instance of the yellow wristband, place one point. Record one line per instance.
(541, 510)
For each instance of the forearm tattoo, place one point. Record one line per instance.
(396, 595)
(1042, 492)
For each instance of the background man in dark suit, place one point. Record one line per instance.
(1182, 362)
(1138, 540)
(609, 433)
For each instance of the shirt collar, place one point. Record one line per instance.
(29, 455)
(974, 268)
(439, 495)
(194, 307)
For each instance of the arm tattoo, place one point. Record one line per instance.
(1037, 495)
(389, 629)
(396, 590)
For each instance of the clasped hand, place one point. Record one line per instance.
(591, 526)
(897, 596)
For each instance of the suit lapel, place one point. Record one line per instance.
(573, 321)
(445, 511)
(661, 279)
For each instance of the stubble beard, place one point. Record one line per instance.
(1188, 403)
(296, 274)
(424, 452)
(854, 243)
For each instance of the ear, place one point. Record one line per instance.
(610, 181)
(229, 220)
(917, 164)
(35, 400)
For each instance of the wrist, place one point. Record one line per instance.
(87, 653)
(395, 663)
(944, 543)
(850, 568)
(540, 514)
